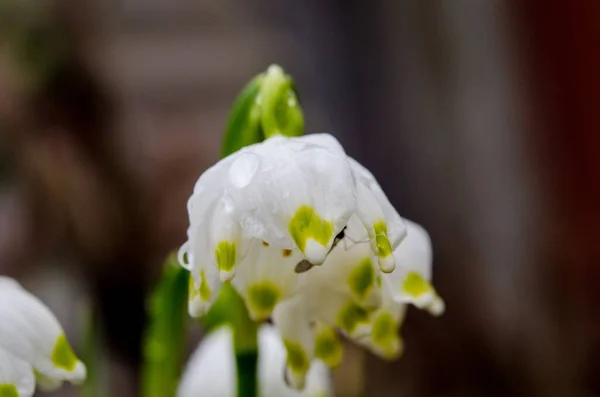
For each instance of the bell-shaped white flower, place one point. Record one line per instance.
(306, 236)
(211, 370)
(33, 345)
(275, 204)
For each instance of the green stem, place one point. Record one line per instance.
(92, 340)
(247, 371)
(166, 334)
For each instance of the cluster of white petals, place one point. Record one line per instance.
(33, 346)
(308, 238)
(211, 370)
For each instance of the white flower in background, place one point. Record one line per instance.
(211, 370)
(33, 346)
(306, 236)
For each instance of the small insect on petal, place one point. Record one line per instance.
(303, 266)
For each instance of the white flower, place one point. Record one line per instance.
(211, 370)
(349, 294)
(33, 345)
(292, 196)
(306, 236)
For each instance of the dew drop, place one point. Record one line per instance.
(243, 169)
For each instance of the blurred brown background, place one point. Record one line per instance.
(480, 119)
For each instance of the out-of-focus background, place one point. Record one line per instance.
(480, 119)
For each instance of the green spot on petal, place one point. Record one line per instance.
(8, 390)
(305, 224)
(225, 254)
(351, 316)
(384, 249)
(361, 278)
(385, 336)
(262, 298)
(415, 285)
(204, 288)
(62, 354)
(297, 359)
(384, 328)
(328, 347)
(192, 288)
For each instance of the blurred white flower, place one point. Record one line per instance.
(211, 370)
(33, 346)
(306, 236)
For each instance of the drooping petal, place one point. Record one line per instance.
(384, 338)
(206, 198)
(211, 370)
(272, 356)
(293, 192)
(16, 376)
(30, 331)
(392, 228)
(411, 279)
(371, 215)
(226, 243)
(203, 290)
(204, 281)
(266, 276)
(291, 319)
(328, 345)
(351, 266)
(345, 290)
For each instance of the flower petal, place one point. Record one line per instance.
(16, 376)
(272, 356)
(211, 370)
(203, 290)
(396, 229)
(226, 243)
(411, 280)
(328, 345)
(384, 339)
(345, 291)
(374, 221)
(290, 317)
(30, 331)
(349, 269)
(266, 276)
(300, 194)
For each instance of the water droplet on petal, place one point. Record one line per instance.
(228, 204)
(243, 169)
(253, 226)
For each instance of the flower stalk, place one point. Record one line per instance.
(166, 334)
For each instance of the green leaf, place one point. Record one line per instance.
(92, 346)
(166, 333)
(243, 127)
